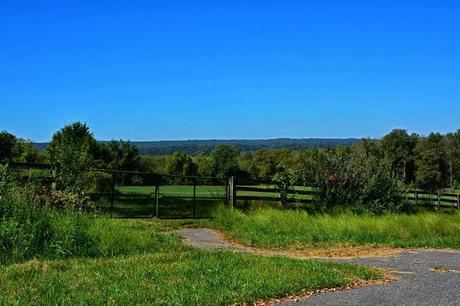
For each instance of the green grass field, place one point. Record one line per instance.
(176, 190)
(298, 229)
(203, 191)
(140, 263)
(139, 202)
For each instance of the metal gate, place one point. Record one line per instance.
(189, 197)
(162, 196)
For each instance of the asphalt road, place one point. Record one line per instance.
(424, 277)
(417, 284)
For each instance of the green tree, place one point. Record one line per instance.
(398, 147)
(370, 147)
(306, 163)
(7, 144)
(147, 163)
(265, 163)
(27, 152)
(431, 163)
(284, 179)
(71, 154)
(452, 147)
(204, 164)
(123, 156)
(181, 163)
(225, 160)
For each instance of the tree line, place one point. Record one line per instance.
(427, 162)
(431, 162)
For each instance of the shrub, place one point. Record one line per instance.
(72, 201)
(284, 180)
(362, 182)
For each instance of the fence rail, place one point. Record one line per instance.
(263, 190)
(275, 190)
(235, 189)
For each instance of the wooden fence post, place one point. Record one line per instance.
(458, 201)
(112, 196)
(416, 197)
(194, 198)
(438, 201)
(53, 182)
(232, 191)
(157, 198)
(226, 194)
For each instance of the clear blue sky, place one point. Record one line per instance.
(148, 70)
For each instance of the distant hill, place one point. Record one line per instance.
(195, 146)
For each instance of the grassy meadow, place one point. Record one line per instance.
(297, 229)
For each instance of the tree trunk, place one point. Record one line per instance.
(404, 171)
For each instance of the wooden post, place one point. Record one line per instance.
(226, 195)
(53, 183)
(416, 197)
(194, 198)
(157, 198)
(112, 196)
(153, 195)
(458, 201)
(438, 202)
(232, 191)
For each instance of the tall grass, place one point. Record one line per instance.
(30, 229)
(275, 228)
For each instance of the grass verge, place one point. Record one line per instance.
(297, 229)
(137, 263)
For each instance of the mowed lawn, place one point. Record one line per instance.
(142, 264)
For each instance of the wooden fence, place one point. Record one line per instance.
(263, 190)
(437, 199)
(266, 190)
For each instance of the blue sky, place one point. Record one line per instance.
(149, 70)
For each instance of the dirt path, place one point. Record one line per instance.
(425, 277)
(210, 239)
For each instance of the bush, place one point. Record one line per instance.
(361, 182)
(284, 180)
(65, 200)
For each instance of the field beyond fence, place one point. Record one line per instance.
(169, 196)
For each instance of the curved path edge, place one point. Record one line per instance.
(425, 276)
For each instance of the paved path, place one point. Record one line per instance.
(425, 277)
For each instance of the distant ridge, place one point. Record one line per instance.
(162, 147)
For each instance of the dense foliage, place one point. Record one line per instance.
(369, 174)
(431, 162)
